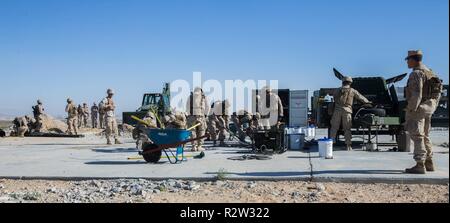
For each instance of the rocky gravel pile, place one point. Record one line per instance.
(181, 191)
(101, 190)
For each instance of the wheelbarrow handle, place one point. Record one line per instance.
(174, 145)
(195, 126)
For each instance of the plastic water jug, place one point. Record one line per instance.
(326, 148)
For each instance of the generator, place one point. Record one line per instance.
(269, 141)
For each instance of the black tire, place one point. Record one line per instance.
(263, 157)
(380, 112)
(152, 157)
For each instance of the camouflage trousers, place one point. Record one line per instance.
(85, 120)
(21, 131)
(270, 120)
(80, 121)
(101, 120)
(345, 119)
(39, 123)
(94, 121)
(217, 127)
(198, 131)
(418, 126)
(112, 130)
(239, 128)
(72, 125)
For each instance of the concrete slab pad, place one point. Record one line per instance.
(375, 167)
(78, 158)
(87, 158)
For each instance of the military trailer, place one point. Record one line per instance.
(440, 117)
(384, 118)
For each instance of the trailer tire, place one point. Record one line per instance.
(152, 157)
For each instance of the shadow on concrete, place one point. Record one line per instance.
(301, 157)
(66, 144)
(119, 162)
(358, 172)
(266, 174)
(116, 150)
(307, 173)
(236, 152)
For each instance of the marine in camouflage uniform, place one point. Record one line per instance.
(271, 109)
(139, 133)
(94, 115)
(20, 126)
(256, 121)
(85, 115)
(422, 93)
(72, 117)
(218, 121)
(343, 110)
(101, 115)
(80, 116)
(197, 108)
(243, 122)
(112, 130)
(237, 123)
(175, 120)
(31, 122)
(38, 111)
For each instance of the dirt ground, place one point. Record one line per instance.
(119, 191)
(5, 124)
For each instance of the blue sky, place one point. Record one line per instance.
(52, 49)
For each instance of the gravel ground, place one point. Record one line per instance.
(177, 191)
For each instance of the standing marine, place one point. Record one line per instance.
(94, 115)
(112, 130)
(80, 116)
(101, 115)
(422, 93)
(197, 108)
(218, 121)
(85, 115)
(38, 112)
(343, 110)
(270, 107)
(72, 117)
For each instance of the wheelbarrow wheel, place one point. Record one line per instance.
(152, 157)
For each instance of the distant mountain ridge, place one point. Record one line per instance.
(6, 117)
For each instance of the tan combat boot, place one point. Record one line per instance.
(349, 148)
(194, 148)
(108, 141)
(429, 165)
(116, 141)
(200, 149)
(419, 168)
